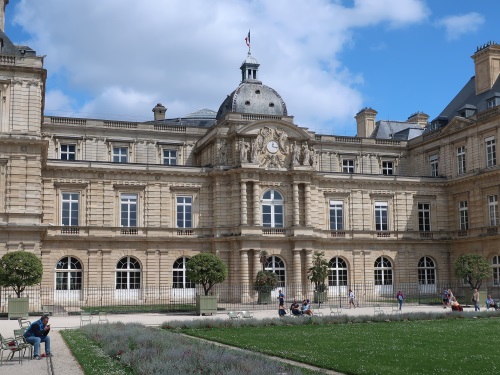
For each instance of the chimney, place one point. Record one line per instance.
(366, 122)
(486, 66)
(3, 4)
(420, 118)
(159, 111)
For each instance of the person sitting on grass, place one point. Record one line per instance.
(455, 306)
(490, 302)
(306, 307)
(295, 308)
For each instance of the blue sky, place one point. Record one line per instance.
(328, 59)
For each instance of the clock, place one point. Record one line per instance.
(272, 147)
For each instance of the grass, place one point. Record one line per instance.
(448, 346)
(90, 355)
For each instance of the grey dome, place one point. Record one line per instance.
(252, 96)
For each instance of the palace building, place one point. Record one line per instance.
(125, 204)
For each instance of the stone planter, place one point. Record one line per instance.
(18, 308)
(206, 305)
(264, 298)
(320, 297)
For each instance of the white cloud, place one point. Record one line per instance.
(456, 26)
(129, 55)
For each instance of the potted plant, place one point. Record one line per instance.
(317, 274)
(19, 269)
(206, 269)
(265, 282)
(473, 268)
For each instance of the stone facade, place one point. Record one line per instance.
(126, 203)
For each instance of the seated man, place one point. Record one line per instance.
(282, 311)
(37, 333)
(490, 302)
(296, 308)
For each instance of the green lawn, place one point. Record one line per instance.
(461, 346)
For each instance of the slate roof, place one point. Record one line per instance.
(203, 117)
(396, 130)
(8, 47)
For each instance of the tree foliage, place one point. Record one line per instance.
(319, 271)
(265, 281)
(473, 268)
(19, 269)
(206, 269)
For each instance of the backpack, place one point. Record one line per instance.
(400, 297)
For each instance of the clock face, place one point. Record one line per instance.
(272, 147)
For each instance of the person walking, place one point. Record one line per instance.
(37, 333)
(475, 300)
(400, 297)
(352, 297)
(446, 299)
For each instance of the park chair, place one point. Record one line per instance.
(233, 315)
(9, 345)
(22, 343)
(377, 310)
(335, 310)
(85, 318)
(396, 310)
(23, 323)
(46, 310)
(103, 317)
(246, 314)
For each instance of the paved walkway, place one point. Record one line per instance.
(65, 364)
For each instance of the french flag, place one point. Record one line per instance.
(247, 39)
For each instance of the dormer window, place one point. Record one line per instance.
(271, 105)
(247, 102)
(467, 110)
(490, 103)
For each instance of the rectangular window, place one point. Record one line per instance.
(348, 166)
(128, 205)
(424, 217)
(336, 215)
(184, 212)
(120, 154)
(387, 168)
(461, 160)
(169, 157)
(433, 161)
(67, 152)
(70, 206)
(381, 216)
(464, 215)
(491, 155)
(493, 210)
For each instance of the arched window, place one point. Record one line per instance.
(495, 263)
(69, 274)
(426, 271)
(272, 209)
(128, 274)
(383, 271)
(180, 280)
(337, 272)
(276, 265)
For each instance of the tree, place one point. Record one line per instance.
(19, 269)
(319, 271)
(473, 268)
(265, 281)
(206, 269)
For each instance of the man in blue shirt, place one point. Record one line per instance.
(37, 333)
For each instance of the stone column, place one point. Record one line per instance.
(256, 204)
(243, 203)
(244, 282)
(308, 265)
(296, 205)
(257, 266)
(307, 205)
(297, 274)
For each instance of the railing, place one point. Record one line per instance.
(428, 235)
(67, 121)
(129, 231)
(120, 124)
(273, 231)
(171, 128)
(70, 230)
(7, 60)
(167, 298)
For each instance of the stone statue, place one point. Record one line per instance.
(312, 156)
(305, 154)
(243, 151)
(223, 152)
(253, 151)
(295, 154)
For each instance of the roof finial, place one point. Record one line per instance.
(247, 41)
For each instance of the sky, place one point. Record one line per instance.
(328, 59)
